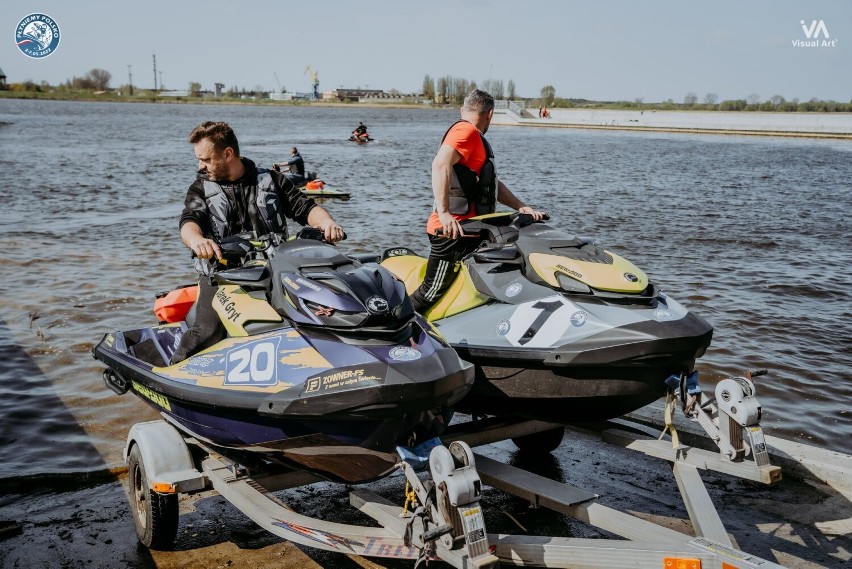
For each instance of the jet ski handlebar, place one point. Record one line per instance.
(237, 249)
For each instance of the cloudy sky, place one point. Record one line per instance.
(652, 50)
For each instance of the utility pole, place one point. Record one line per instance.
(130, 79)
(155, 71)
(161, 80)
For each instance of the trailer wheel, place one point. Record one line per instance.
(541, 442)
(155, 515)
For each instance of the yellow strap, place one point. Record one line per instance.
(668, 418)
(410, 498)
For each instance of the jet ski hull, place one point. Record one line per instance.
(335, 409)
(591, 378)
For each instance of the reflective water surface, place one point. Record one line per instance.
(751, 233)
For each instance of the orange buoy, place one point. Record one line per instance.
(174, 305)
(315, 185)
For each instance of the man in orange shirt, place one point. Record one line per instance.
(465, 184)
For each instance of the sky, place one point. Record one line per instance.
(606, 50)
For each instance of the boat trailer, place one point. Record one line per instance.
(442, 518)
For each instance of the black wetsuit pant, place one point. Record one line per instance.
(205, 328)
(441, 268)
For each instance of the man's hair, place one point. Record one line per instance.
(220, 134)
(294, 150)
(478, 101)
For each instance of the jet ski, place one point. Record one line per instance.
(559, 329)
(326, 367)
(311, 185)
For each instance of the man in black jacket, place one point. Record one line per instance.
(231, 195)
(295, 168)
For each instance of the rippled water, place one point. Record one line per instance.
(751, 233)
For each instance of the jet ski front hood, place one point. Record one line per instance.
(556, 330)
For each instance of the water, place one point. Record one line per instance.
(751, 233)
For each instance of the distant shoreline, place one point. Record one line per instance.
(799, 124)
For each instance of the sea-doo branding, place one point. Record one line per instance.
(308, 284)
(631, 278)
(253, 364)
(398, 252)
(514, 289)
(503, 327)
(291, 284)
(377, 305)
(404, 354)
(567, 271)
(37, 35)
(578, 318)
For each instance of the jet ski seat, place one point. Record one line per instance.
(410, 269)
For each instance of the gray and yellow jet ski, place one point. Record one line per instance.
(558, 328)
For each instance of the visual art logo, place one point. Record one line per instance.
(813, 31)
(816, 28)
(37, 35)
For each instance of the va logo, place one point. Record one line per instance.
(816, 28)
(37, 35)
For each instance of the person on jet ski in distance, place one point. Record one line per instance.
(360, 132)
(223, 201)
(465, 184)
(295, 168)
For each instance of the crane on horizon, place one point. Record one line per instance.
(314, 75)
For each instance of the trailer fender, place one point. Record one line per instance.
(168, 462)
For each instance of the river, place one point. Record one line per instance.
(752, 233)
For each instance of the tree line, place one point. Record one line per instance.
(450, 90)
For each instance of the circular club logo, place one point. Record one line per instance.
(503, 327)
(514, 289)
(578, 319)
(404, 354)
(662, 314)
(37, 35)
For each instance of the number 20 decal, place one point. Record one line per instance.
(540, 323)
(252, 364)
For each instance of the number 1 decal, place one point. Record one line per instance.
(540, 323)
